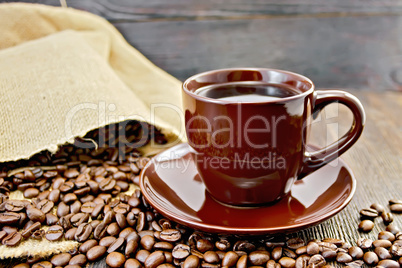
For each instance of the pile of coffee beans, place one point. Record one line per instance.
(88, 194)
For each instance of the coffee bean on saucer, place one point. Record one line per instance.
(369, 213)
(366, 226)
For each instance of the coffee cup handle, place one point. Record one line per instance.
(315, 160)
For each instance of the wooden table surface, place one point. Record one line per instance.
(355, 45)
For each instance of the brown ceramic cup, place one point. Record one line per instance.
(250, 153)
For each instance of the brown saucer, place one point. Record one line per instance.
(171, 184)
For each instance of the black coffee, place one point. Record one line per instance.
(247, 92)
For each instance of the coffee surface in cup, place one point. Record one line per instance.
(247, 92)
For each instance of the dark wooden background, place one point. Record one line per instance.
(352, 44)
(337, 43)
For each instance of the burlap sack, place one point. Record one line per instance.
(64, 72)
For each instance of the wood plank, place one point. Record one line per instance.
(333, 52)
(138, 10)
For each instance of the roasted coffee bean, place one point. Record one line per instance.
(126, 232)
(142, 255)
(107, 241)
(82, 191)
(109, 216)
(370, 258)
(79, 259)
(204, 245)
(35, 214)
(61, 259)
(132, 263)
(222, 244)
(75, 207)
(113, 229)
(95, 253)
(396, 208)
(66, 187)
(295, 243)
(133, 236)
(329, 254)
(88, 245)
(366, 226)
(65, 222)
(364, 243)
(70, 234)
(287, 262)
(88, 207)
(38, 234)
(87, 198)
(131, 247)
(169, 235)
(100, 230)
(303, 250)
(12, 239)
(54, 195)
(140, 222)
(396, 249)
(163, 246)
(388, 264)
(115, 259)
(154, 259)
(15, 205)
(116, 245)
(356, 252)
(243, 246)
(209, 256)
(382, 243)
(45, 206)
(107, 185)
(230, 259)
(336, 242)
(277, 253)
(62, 209)
(289, 253)
(83, 232)
(369, 213)
(31, 192)
(121, 220)
(76, 218)
(97, 210)
(317, 260)
(29, 231)
(392, 228)
(386, 235)
(181, 251)
(147, 242)
(121, 208)
(42, 264)
(258, 257)
(382, 253)
(312, 248)
(3, 234)
(54, 233)
(191, 262)
(395, 201)
(355, 264)
(379, 208)
(10, 229)
(301, 261)
(343, 257)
